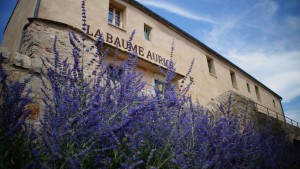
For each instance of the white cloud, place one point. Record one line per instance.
(254, 38)
(293, 22)
(279, 71)
(176, 10)
(218, 30)
(293, 114)
(268, 7)
(259, 16)
(287, 83)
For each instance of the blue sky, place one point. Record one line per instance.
(260, 36)
(6, 8)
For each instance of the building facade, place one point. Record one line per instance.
(33, 24)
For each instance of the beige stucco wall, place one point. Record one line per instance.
(13, 31)
(206, 87)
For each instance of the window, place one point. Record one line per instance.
(211, 66)
(110, 15)
(160, 86)
(233, 79)
(248, 87)
(274, 103)
(257, 93)
(147, 31)
(114, 74)
(115, 16)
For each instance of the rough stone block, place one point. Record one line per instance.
(34, 111)
(26, 61)
(37, 65)
(17, 59)
(5, 54)
(22, 60)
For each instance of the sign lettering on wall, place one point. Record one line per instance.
(121, 43)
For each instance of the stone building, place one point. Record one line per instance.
(30, 32)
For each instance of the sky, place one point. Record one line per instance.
(260, 36)
(6, 8)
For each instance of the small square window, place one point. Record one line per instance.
(115, 16)
(159, 86)
(248, 87)
(147, 31)
(233, 79)
(211, 66)
(257, 93)
(114, 74)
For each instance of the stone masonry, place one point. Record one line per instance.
(241, 104)
(38, 43)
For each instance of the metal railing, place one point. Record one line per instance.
(274, 114)
(260, 108)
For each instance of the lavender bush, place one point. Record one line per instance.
(103, 119)
(13, 138)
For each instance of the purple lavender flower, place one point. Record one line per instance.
(13, 113)
(104, 121)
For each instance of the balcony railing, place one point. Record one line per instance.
(259, 108)
(274, 114)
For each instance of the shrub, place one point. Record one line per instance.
(104, 120)
(14, 148)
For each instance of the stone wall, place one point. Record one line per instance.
(238, 103)
(241, 104)
(37, 44)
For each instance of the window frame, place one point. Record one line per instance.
(112, 13)
(159, 85)
(162, 85)
(147, 35)
(258, 96)
(233, 79)
(211, 66)
(110, 73)
(248, 87)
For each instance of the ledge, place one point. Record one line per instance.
(215, 76)
(122, 29)
(236, 87)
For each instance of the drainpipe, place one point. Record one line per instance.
(37, 7)
(282, 109)
(35, 14)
